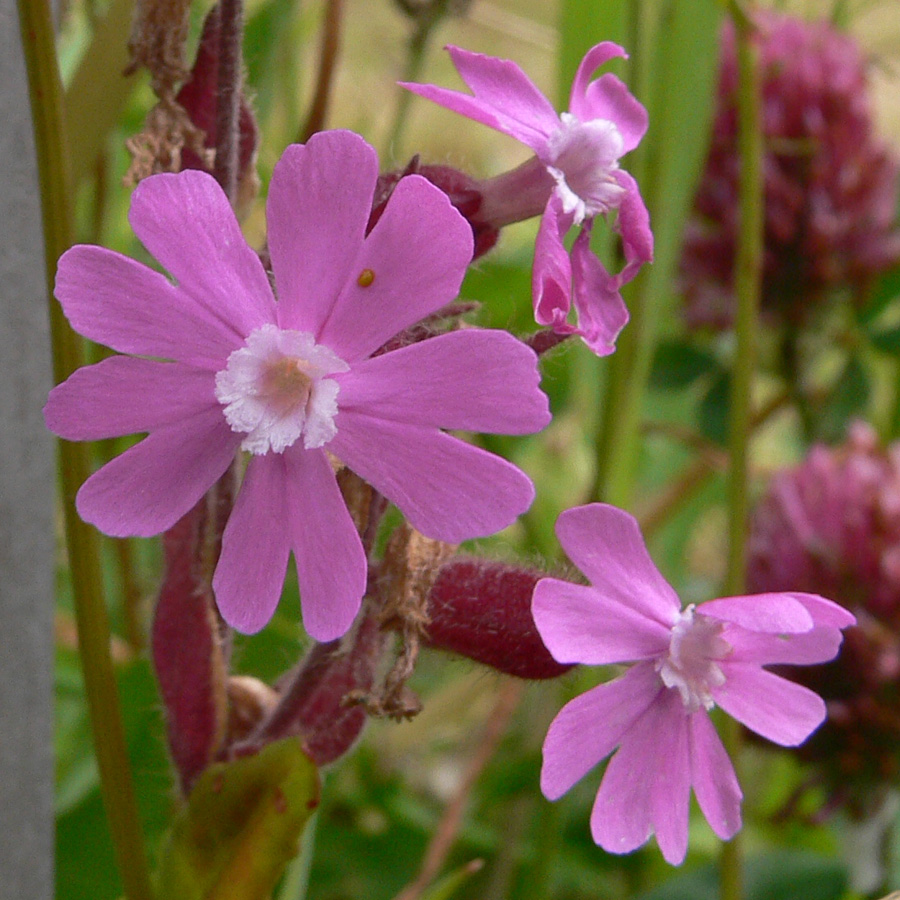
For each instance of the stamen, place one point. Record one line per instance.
(366, 277)
(691, 663)
(274, 389)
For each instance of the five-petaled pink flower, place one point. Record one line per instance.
(685, 661)
(295, 382)
(576, 176)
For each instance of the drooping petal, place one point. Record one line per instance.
(318, 206)
(116, 301)
(602, 313)
(449, 490)
(417, 255)
(773, 613)
(551, 277)
(124, 395)
(633, 224)
(188, 225)
(606, 544)
(149, 487)
(504, 98)
(589, 728)
(474, 380)
(579, 624)
(778, 709)
(646, 785)
(713, 778)
(255, 546)
(331, 562)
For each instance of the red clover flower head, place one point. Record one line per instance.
(830, 185)
(832, 525)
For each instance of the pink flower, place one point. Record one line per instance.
(685, 661)
(297, 383)
(574, 177)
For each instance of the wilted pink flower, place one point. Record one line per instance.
(574, 177)
(685, 661)
(293, 382)
(832, 524)
(830, 185)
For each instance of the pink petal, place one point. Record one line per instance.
(188, 225)
(123, 395)
(633, 224)
(773, 613)
(153, 484)
(815, 646)
(473, 380)
(607, 97)
(319, 202)
(331, 562)
(602, 313)
(713, 778)
(590, 727)
(825, 612)
(449, 490)
(606, 544)
(504, 98)
(778, 709)
(551, 276)
(579, 624)
(418, 253)
(255, 546)
(116, 301)
(646, 786)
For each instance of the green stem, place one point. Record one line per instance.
(83, 546)
(748, 281)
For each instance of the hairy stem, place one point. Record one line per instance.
(331, 39)
(83, 545)
(229, 96)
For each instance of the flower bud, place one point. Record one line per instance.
(482, 609)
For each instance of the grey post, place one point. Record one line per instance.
(27, 483)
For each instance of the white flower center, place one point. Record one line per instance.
(691, 663)
(582, 158)
(275, 389)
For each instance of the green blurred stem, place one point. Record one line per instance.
(629, 367)
(748, 281)
(83, 545)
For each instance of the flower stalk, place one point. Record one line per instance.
(748, 283)
(83, 547)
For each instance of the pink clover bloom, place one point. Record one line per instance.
(293, 382)
(578, 161)
(683, 662)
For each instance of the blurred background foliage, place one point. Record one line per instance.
(383, 803)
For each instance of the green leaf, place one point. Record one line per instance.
(887, 291)
(848, 397)
(583, 23)
(241, 826)
(676, 364)
(887, 341)
(714, 410)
